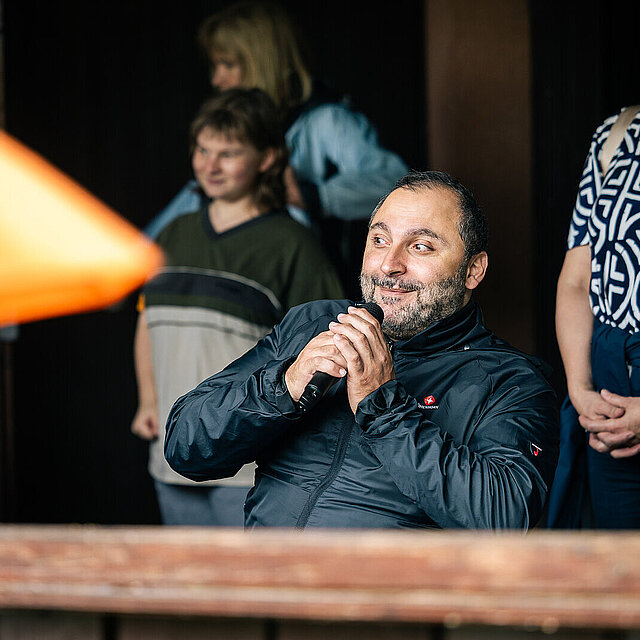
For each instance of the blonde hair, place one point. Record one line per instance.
(262, 38)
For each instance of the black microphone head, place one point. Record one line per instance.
(374, 309)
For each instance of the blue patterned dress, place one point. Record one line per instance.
(607, 218)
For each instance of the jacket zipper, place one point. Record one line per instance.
(336, 463)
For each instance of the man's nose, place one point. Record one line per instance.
(393, 261)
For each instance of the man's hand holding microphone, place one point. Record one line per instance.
(354, 346)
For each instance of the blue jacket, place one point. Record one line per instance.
(466, 436)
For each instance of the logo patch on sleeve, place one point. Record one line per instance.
(535, 449)
(428, 402)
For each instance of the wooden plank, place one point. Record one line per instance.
(543, 580)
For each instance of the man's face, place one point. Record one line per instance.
(413, 264)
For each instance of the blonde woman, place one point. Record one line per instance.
(336, 167)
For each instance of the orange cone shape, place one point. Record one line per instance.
(61, 249)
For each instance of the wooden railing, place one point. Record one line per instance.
(543, 580)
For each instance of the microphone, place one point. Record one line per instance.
(321, 382)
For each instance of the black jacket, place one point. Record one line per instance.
(466, 436)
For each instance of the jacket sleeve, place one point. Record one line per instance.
(498, 478)
(229, 419)
(186, 201)
(364, 171)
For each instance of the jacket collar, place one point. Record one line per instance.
(464, 327)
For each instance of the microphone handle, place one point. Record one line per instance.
(319, 384)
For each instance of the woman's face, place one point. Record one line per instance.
(226, 72)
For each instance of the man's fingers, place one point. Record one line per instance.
(333, 363)
(349, 352)
(320, 354)
(358, 322)
(361, 312)
(359, 341)
(364, 322)
(321, 340)
(363, 331)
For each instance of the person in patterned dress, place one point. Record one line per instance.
(597, 325)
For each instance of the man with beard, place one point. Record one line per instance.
(433, 422)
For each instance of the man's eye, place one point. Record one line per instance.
(423, 247)
(377, 240)
(202, 151)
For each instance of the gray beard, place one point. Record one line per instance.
(433, 302)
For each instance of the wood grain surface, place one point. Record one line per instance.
(544, 579)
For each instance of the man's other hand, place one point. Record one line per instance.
(369, 364)
(320, 354)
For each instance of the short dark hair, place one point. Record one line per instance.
(249, 115)
(473, 225)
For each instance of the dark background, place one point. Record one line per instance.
(106, 91)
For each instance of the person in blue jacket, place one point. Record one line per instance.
(337, 168)
(433, 422)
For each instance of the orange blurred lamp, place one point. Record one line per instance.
(61, 249)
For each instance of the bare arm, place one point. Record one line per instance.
(574, 329)
(145, 422)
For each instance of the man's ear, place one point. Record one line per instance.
(476, 270)
(268, 158)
